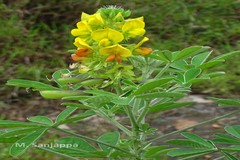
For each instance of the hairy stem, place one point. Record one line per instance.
(131, 117)
(163, 70)
(102, 114)
(143, 113)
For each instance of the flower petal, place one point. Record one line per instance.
(94, 19)
(82, 31)
(134, 27)
(107, 33)
(81, 44)
(115, 49)
(145, 39)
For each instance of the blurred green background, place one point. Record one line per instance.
(35, 36)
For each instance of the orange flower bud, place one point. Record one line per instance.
(118, 58)
(110, 58)
(144, 51)
(76, 57)
(82, 52)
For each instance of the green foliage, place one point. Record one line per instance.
(163, 78)
(160, 91)
(197, 146)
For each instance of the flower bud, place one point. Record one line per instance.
(144, 51)
(50, 94)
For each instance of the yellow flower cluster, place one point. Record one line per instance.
(106, 34)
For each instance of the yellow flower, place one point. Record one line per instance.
(106, 36)
(94, 19)
(115, 52)
(83, 30)
(80, 44)
(134, 27)
(83, 49)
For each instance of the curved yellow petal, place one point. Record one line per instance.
(83, 30)
(107, 33)
(116, 50)
(104, 42)
(134, 27)
(136, 32)
(94, 19)
(81, 44)
(145, 39)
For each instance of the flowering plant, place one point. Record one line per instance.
(114, 75)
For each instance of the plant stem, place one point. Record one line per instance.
(199, 124)
(57, 153)
(163, 70)
(131, 117)
(93, 140)
(143, 113)
(102, 114)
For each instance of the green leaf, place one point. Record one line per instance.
(41, 119)
(225, 139)
(168, 106)
(233, 130)
(30, 84)
(226, 102)
(101, 93)
(79, 117)
(197, 139)
(231, 148)
(200, 58)
(58, 74)
(213, 74)
(10, 123)
(128, 82)
(210, 64)
(226, 56)
(185, 143)
(15, 132)
(49, 94)
(190, 51)
(161, 95)
(23, 144)
(77, 105)
(160, 55)
(78, 98)
(188, 152)
(191, 74)
(10, 139)
(153, 151)
(98, 99)
(229, 156)
(111, 138)
(79, 153)
(152, 84)
(65, 113)
(76, 144)
(180, 65)
(122, 101)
